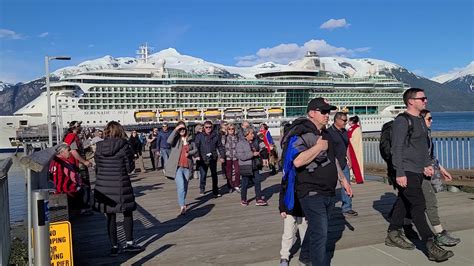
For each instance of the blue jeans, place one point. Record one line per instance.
(164, 155)
(317, 209)
(182, 177)
(346, 200)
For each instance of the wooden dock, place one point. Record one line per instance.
(219, 231)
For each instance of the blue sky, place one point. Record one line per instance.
(428, 37)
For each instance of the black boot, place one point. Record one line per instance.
(396, 238)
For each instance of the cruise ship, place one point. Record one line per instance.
(150, 94)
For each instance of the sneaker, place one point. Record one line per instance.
(237, 189)
(350, 213)
(396, 238)
(114, 252)
(244, 203)
(446, 239)
(218, 195)
(261, 202)
(437, 253)
(133, 248)
(201, 192)
(284, 262)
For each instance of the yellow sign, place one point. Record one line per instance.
(60, 244)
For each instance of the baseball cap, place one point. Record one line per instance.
(320, 104)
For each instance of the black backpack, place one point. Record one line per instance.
(385, 144)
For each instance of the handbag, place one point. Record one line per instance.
(257, 163)
(245, 170)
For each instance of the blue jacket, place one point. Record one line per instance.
(162, 140)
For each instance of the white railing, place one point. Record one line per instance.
(453, 152)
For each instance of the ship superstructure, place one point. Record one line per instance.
(152, 93)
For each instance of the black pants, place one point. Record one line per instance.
(203, 167)
(112, 227)
(411, 199)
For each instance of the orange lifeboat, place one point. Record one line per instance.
(169, 114)
(145, 116)
(191, 114)
(275, 111)
(212, 113)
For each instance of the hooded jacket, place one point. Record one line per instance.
(113, 188)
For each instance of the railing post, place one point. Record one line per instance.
(41, 227)
(5, 240)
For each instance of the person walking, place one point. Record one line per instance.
(136, 146)
(442, 236)
(162, 146)
(341, 145)
(311, 166)
(113, 191)
(411, 161)
(231, 163)
(293, 222)
(180, 163)
(250, 162)
(152, 138)
(209, 147)
(355, 149)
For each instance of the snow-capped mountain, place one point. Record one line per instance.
(173, 59)
(460, 78)
(4, 85)
(455, 74)
(442, 96)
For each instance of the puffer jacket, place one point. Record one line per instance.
(113, 189)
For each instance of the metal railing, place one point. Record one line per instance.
(4, 212)
(453, 152)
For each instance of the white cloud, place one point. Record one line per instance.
(285, 53)
(90, 45)
(9, 34)
(44, 34)
(334, 24)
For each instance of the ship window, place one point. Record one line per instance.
(87, 122)
(94, 122)
(33, 106)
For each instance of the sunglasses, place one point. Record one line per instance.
(207, 127)
(429, 118)
(421, 98)
(324, 112)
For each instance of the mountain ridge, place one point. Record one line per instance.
(445, 97)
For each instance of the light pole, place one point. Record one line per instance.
(48, 96)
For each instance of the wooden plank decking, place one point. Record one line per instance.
(220, 231)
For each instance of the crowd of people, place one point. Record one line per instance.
(314, 158)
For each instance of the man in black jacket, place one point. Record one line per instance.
(209, 147)
(411, 161)
(317, 173)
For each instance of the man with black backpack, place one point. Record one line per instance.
(411, 162)
(311, 172)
